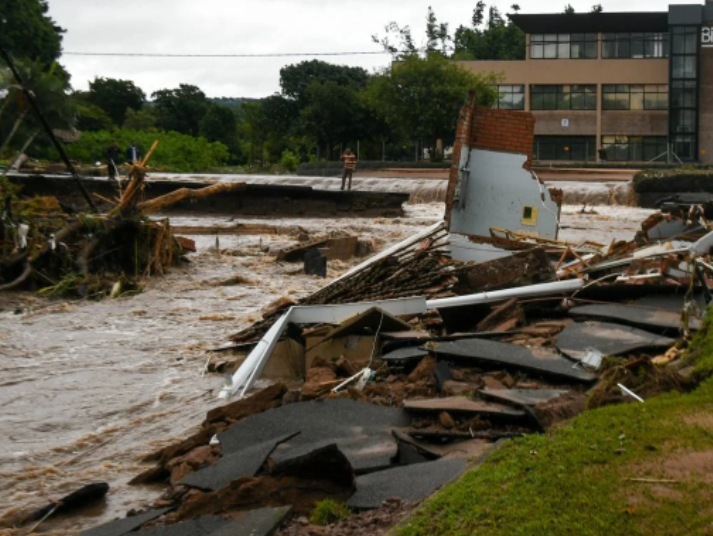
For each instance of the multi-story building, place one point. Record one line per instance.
(638, 84)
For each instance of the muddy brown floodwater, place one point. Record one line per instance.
(88, 388)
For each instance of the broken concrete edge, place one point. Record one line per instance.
(473, 465)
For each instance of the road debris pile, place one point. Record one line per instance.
(50, 247)
(394, 378)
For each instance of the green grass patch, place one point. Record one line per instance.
(576, 480)
(329, 511)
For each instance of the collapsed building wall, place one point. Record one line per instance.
(491, 186)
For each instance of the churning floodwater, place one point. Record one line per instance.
(88, 388)
(421, 190)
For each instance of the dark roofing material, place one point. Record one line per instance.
(649, 21)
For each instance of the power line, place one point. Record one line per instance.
(274, 55)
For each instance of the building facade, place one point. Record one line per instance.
(638, 84)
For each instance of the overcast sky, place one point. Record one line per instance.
(251, 26)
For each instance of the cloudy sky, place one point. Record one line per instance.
(251, 27)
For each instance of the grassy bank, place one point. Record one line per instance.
(582, 478)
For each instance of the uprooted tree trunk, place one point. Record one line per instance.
(158, 203)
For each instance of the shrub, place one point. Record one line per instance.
(175, 152)
(329, 511)
(289, 161)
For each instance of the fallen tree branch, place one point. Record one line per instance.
(20, 280)
(154, 205)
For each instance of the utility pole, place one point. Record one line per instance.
(31, 99)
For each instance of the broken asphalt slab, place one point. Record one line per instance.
(118, 527)
(233, 466)
(463, 405)
(362, 431)
(511, 356)
(200, 526)
(608, 338)
(522, 397)
(260, 522)
(658, 319)
(402, 356)
(408, 483)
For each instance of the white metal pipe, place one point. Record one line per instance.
(569, 285)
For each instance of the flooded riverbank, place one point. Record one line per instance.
(88, 388)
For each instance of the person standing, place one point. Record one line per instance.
(133, 153)
(349, 159)
(112, 157)
(602, 155)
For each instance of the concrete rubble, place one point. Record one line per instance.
(389, 381)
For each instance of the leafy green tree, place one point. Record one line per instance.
(421, 97)
(50, 92)
(437, 37)
(497, 39)
(27, 32)
(180, 109)
(220, 124)
(143, 119)
(256, 130)
(334, 115)
(281, 121)
(91, 117)
(294, 79)
(115, 97)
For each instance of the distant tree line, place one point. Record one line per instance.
(321, 107)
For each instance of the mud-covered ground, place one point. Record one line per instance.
(88, 388)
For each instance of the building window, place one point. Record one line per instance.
(635, 148)
(683, 114)
(569, 97)
(579, 148)
(563, 46)
(511, 97)
(635, 97)
(635, 45)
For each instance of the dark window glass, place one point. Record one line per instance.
(564, 148)
(511, 97)
(635, 45)
(634, 148)
(574, 97)
(563, 46)
(635, 97)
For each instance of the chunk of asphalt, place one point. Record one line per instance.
(408, 483)
(76, 499)
(231, 467)
(442, 374)
(260, 522)
(511, 356)
(660, 320)
(522, 397)
(608, 338)
(464, 406)
(200, 526)
(403, 356)
(118, 527)
(361, 431)
(314, 461)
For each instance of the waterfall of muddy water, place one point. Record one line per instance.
(421, 190)
(88, 388)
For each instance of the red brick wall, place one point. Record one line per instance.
(496, 130)
(503, 130)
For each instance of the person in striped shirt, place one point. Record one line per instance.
(349, 159)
